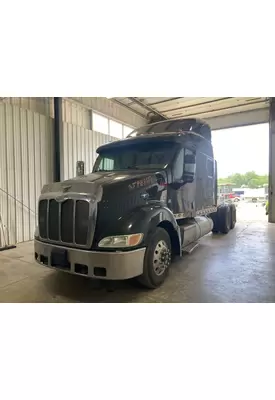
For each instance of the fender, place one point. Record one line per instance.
(144, 220)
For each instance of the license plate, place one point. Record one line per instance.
(59, 258)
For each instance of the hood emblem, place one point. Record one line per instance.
(66, 188)
(60, 199)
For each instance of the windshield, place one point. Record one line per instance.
(140, 156)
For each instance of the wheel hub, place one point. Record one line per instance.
(162, 257)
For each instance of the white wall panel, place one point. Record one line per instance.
(31, 172)
(10, 166)
(3, 177)
(25, 174)
(110, 109)
(25, 166)
(19, 234)
(75, 114)
(77, 110)
(41, 105)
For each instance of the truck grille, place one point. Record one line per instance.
(66, 222)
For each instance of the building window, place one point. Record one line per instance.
(127, 130)
(100, 124)
(115, 129)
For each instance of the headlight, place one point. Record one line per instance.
(121, 241)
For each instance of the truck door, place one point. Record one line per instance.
(205, 179)
(183, 188)
(211, 182)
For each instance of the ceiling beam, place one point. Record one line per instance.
(128, 108)
(236, 106)
(198, 104)
(165, 101)
(148, 108)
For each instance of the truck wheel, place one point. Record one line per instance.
(216, 225)
(224, 219)
(157, 260)
(233, 217)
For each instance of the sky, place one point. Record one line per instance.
(241, 150)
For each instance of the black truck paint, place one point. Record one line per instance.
(159, 183)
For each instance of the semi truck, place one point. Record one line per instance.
(150, 197)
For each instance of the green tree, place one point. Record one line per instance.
(249, 179)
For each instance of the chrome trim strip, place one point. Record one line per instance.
(204, 211)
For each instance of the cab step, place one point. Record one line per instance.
(190, 248)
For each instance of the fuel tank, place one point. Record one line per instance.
(194, 229)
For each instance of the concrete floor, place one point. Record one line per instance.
(238, 267)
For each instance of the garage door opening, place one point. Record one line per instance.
(242, 155)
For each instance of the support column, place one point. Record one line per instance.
(58, 135)
(271, 197)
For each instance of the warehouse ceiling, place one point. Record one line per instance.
(219, 112)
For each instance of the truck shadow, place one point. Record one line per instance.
(75, 288)
(80, 289)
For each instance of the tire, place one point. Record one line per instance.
(216, 225)
(157, 260)
(224, 219)
(233, 217)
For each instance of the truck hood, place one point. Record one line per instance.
(94, 183)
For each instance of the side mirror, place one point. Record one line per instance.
(80, 169)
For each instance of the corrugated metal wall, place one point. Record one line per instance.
(80, 144)
(110, 109)
(25, 166)
(75, 114)
(41, 105)
(77, 110)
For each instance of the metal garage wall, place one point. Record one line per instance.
(41, 105)
(110, 109)
(80, 144)
(75, 114)
(25, 166)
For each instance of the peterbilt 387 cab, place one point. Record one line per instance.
(149, 197)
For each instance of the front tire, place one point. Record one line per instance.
(157, 260)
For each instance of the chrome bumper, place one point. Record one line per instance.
(93, 264)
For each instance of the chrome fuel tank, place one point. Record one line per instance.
(195, 229)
